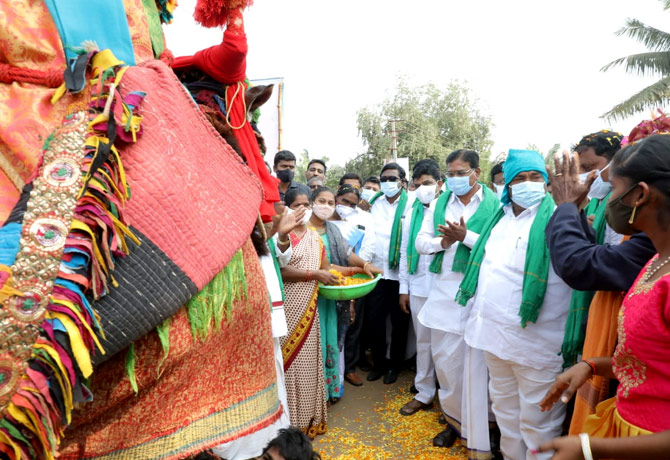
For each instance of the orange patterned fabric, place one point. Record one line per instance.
(29, 39)
(204, 394)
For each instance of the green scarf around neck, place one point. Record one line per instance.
(536, 268)
(396, 230)
(418, 210)
(573, 340)
(476, 222)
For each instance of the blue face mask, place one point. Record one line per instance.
(526, 194)
(390, 189)
(367, 194)
(459, 185)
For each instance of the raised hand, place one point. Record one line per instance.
(565, 184)
(288, 222)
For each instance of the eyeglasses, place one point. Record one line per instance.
(389, 179)
(460, 173)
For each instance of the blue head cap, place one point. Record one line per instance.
(519, 161)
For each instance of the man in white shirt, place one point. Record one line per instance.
(461, 371)
(520, 308)
(388, 210)
(415, 282)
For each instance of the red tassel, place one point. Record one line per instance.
(214, 13)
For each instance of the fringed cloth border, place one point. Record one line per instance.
(72, 230)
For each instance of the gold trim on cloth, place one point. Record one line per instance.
(232, 420)
(46, 224)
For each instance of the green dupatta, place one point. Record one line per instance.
(418, 210)
(489, 205)
(536, 268)
(396, 230)
(573, 340)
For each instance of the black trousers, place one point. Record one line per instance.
(382, 302)
(351, 341)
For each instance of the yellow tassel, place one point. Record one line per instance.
(79, 350)
(7, 440)
(60, 91)
(61, 376)
(7, 290)
(75, 309)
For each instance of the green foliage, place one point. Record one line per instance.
(435, 121)
(654, 63)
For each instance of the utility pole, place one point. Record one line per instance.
(394, 139)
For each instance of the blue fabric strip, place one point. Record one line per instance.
(10, 235)
(101, 21)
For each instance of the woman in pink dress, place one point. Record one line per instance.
(636, 423)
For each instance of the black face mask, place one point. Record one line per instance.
(285, 175)
(619, 215)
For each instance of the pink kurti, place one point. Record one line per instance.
(642, 358)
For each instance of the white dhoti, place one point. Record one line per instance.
(463, 392)
(516, 392)
(425, 370)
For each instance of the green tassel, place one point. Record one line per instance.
(130, 367)
(163, 331)
(217, 298)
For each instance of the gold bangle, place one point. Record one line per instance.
(365, 265)
(286, 241)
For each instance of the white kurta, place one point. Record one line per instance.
(418, 286)
(522, 362)
(460, 370)
(441, 311)
(383, 214)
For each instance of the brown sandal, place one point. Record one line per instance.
(414, 406)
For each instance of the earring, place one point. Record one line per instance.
(632, 215)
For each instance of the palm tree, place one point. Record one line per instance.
(654, 62)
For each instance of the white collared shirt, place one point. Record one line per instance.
(441, 311)
(383, 214)
(494, 324)
(418, 284)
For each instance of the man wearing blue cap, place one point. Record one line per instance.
(519, 308)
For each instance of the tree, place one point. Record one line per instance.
(656, 62)
(435, 121)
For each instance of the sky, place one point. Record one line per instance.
(533, 65)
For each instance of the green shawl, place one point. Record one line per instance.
(573, 340)
(414, 226)
(476, 222)
(536, 269)
(396, 230)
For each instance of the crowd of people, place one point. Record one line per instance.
(508, 290)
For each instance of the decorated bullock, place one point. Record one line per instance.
(135, 319)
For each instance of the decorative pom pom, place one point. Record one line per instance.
(214, 13)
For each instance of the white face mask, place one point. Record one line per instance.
(323, 211)
(345, 212)
(426, 193)
(528, 193)
(599, 189)
(499, 190)
(305, 219)
(367, 194)
(390, 189)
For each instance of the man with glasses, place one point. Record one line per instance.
(449, 231)
(388, 211)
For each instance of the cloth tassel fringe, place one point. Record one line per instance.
(216, 299)
(34, 420)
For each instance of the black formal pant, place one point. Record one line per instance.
(382, 302)
(351, 341)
